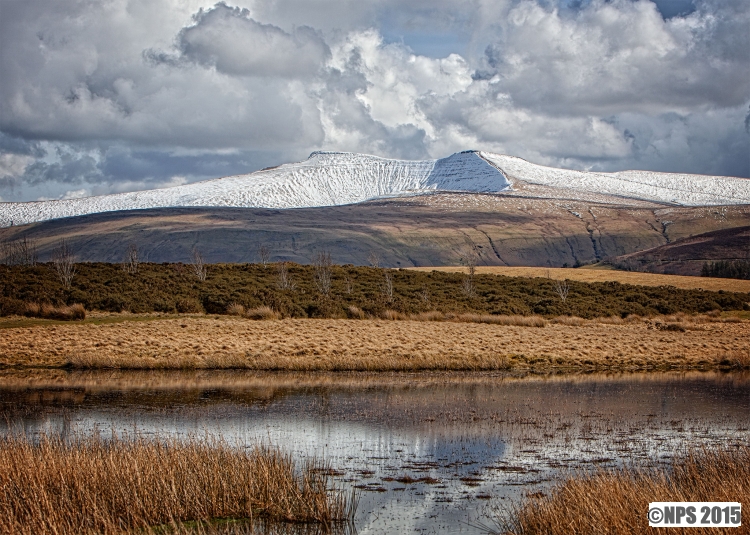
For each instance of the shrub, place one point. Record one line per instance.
(355, 312)
(188, 306)
(262, 313)
(235, 309)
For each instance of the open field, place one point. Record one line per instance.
(618, 500)
(92, 485)
(199, 342)
(605, 275)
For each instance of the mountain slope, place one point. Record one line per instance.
(332, 179)
(425, 230)
(324, 179)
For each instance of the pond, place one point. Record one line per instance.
(426, 452)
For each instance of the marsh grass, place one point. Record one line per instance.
(616, 501)
(119, 485)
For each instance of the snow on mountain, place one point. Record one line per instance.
(334, 178)
(684, 189)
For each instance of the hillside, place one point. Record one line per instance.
(426, 230)
(686, 256)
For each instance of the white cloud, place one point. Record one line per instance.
(230, 40)
(119, 93)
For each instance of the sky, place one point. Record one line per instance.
(105, 96)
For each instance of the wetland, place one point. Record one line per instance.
(426, 452)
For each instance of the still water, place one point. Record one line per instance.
(427, 452)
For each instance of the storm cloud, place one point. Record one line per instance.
(100, 97)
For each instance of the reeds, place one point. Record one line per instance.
(47, 311)
(92, 485)
(262, 313)
(499, 319)
(616, 501)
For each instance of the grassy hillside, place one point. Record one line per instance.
(429, 230)
(297, 291)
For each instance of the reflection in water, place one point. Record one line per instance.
(428, 452)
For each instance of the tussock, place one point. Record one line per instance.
(355, 312)
(89, 485)
(432, 315)
(262, 313)
(47, 311)
(573, 321)
(618, 500)
(500, 319)
(235, 309)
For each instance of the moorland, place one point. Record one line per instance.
(329, 317)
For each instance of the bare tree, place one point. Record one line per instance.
(283, 278)
(386, 286)
(373, 259)
(130, 262)
(323, 272)
(199, 266)
(562, 288)
(467, 286)
(424, 295)
(64, 263)
(21, 252)
(469, 258)
(264, 253)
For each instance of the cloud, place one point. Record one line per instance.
(232, 42)
(132, 93)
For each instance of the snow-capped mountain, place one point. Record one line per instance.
(333, 178)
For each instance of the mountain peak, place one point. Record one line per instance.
(330, 178)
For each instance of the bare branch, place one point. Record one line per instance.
(323, 272)
(562, 288)
(199, 266)
(283, 278)
(373, 259)
(64, 263)
(386, 286)
(130, 262)
(20, 252)
(264, 253)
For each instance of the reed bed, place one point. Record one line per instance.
(91, 485)
(615, 502)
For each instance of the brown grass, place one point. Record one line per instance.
(92, 485)
(616, 502)
(47, 311)
(262, 313)
(606, 275)
(225, 342)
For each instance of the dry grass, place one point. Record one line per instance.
(47, 311)
(605, 275)
(226, 342)
(616, 502)
(235, 309)
(92, 485)
(499, 319)
(262, 313)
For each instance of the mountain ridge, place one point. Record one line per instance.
(340, 178)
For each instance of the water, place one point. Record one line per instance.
(427, 452)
